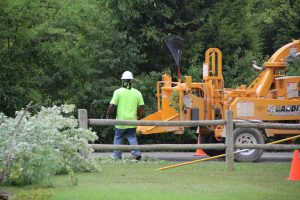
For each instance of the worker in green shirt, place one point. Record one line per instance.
(130, 106)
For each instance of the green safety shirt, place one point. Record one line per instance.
(127, 102)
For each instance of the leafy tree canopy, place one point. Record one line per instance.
(62, 51)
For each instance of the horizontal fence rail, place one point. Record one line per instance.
(105, 122)
(156, 147)
(181, 147)
(264, 125)
(237, 124)
(268, 146)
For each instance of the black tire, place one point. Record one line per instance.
(248, 136)
(210, 139)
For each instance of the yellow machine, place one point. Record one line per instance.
(271, 97)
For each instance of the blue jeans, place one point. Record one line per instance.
(130, 134)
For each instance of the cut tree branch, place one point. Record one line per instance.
(13, 142)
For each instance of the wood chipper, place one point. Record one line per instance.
(271, 97)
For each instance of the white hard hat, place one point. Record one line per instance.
(127, 75)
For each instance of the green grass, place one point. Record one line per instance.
(207, 181)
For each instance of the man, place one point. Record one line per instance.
(130, 106)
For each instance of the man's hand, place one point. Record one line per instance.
(140, 113)
(110, 111)
(109, 116)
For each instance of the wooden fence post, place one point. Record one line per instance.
(83, 118)
(229, 141)
(83, 123)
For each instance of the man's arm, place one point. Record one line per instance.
(140, 113)
(110, 111)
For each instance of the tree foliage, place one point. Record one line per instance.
(62, 51)
(47, 143)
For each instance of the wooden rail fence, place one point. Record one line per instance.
(229, 146)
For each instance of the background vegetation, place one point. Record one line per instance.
(74, 51)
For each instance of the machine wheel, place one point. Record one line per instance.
(248, 136)
(210, 139)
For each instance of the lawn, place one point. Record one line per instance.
(209, 181)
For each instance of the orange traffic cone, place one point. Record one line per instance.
(295, 167)
(199, 152)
